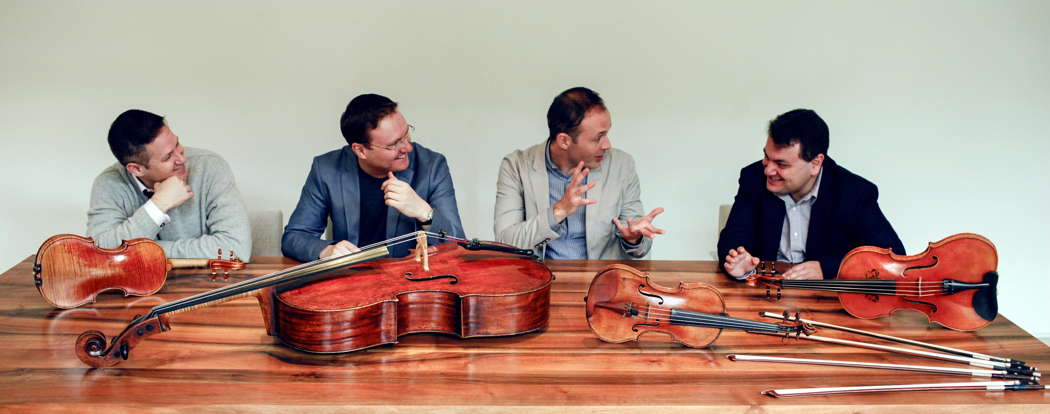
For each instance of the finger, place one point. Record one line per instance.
(654, 213)
(657, 230)
(619, 225)
(577, 175)
(732, 253)
(587, 201)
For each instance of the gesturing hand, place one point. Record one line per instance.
(641, 226)
(399, 195)
(338, 249)
(171, 193)
(574, 194)
(739, 262)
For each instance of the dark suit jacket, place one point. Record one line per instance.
(846, 215)
(331, 189)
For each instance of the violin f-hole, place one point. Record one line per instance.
(933, 307)
(651, 325)
(934, 264)
(408, 276)
(657, 297)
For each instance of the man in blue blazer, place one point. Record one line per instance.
(797, 205)
(381, 185)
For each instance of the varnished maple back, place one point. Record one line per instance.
(71, 270)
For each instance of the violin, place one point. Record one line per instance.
(953, 282)
(340, 304)
(70, 270)
(622, 304)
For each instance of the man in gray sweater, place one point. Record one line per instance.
(183, 198)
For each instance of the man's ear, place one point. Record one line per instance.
(135, 169)
(816, 163)
(358, 150)
(563, 140)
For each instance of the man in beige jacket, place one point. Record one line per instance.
(574, 194)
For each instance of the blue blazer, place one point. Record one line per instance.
(846, 215)
(331, 190)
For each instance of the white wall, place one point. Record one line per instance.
(942, 104)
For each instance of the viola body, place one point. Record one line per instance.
(70, 270)
(617, 285)
(920, 281)
(465, 293)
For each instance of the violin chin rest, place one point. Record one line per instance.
(984, 300)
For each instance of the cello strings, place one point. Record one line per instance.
(276, 277)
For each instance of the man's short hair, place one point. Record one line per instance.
(803, 126)
(568, 110)
(363, 114)
(131, 132)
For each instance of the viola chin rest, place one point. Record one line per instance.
(984, 300)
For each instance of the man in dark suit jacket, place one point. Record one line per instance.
(379, 186)
(798, 205)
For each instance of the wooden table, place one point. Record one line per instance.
(220, 358)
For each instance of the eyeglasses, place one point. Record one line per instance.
(405, 140)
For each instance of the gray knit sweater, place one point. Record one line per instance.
(214, 218)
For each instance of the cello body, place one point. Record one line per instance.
(965, 257)
(70, 270)
(467, 294)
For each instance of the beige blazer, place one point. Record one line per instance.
(523, 201)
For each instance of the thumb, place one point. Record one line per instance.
(390, 174)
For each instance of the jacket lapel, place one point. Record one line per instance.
(821, 209)
(592, 221)
(539, 178)
(351, 196)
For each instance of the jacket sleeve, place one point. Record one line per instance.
(742, 224)
(226, 219)
(510, 224)
(443, 200)
(302, 236)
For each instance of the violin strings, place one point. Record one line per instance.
(705, 319)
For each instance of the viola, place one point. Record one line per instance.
(953, 282)
(340, 304)
(70, 270)
(622, 304)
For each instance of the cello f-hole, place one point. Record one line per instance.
(453, 278)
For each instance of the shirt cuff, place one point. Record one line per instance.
(555, 226)
(745, 275)
(154, 213)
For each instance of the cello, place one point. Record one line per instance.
(953, 282)
(347, 303)
(622, 304)
(71, 270)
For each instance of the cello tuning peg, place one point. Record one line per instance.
(219, 255)
(226, 275)
(232, 256)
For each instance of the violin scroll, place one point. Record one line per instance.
(91, 345)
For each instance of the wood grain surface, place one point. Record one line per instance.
(221, 359)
